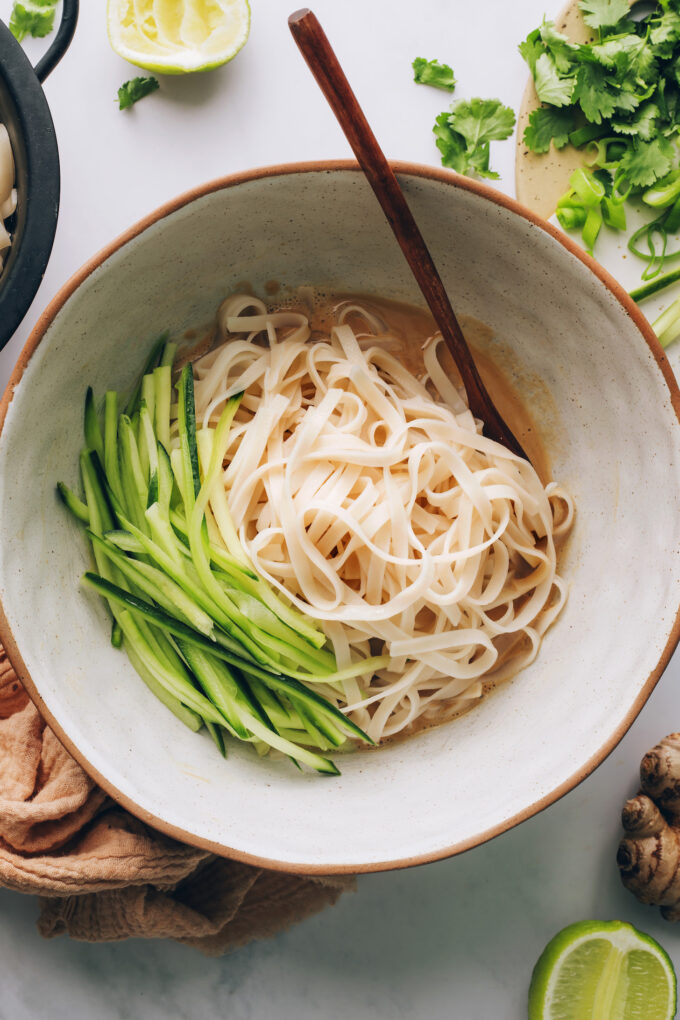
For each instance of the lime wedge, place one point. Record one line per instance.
(177, 36)
(602, 970)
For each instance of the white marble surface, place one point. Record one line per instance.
(456, 939)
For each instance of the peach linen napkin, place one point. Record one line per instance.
(103, 875)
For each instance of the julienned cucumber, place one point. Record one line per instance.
(207, 635)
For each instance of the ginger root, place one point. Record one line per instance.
(649, 855)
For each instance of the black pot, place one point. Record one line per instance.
(26, 115)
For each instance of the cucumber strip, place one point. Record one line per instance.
(169, 351)
(314, 703)
(178, 471)
(298, 693)
(289, 721)
(277, 712)
(212, 466)
(263, 617)
(116, 635)
(299, 754)
(196, 514)
(227, 649)
(185, 575)
(255, 704)
(226, 693)
(227, 689)
(293, 719)
(133, 482)
(219, 685)
(157, 585)
(218, 737)
(180, 569)
(289, 618)
(153, 488)
(164, 537)
(125, 541)
(184, 714)
(155, 354)
(147, 442)
(98, 514)
(148, 395)
(166, 480)
(187, 437)
(93, 434)
(111, 443)
(213, 531)
(162, 378)
(269, 647)
(305, 627)
(104, 488)
(321, 729)
(361, 668)
(98, 507)
(285, 655)
(211, 448)
(180, 687)
(75, 505)
(306, 738)
(234, 568)
(141, 448)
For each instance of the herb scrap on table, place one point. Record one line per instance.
(32, 17)
(464, 131)
(617, 98)
(132, 91)
(431, 72)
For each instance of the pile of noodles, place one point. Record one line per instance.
(8, 195)
(370, 498)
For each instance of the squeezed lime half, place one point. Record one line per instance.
(177, 36)
(602, 970)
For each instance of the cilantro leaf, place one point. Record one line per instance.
(646, 162)
(532, 48)
(134, 90)
(563, 52)
(621, 91)
(604, 13)
(627, 102)
(665, 32)
(463, 135)
(592, 93)
(32, 17)
(630, 56)
(643, 125)
(548, 124)
(450, 144)
(551, 87)
(431, 72)
(481, 120)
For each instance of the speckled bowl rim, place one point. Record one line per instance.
(450, 179)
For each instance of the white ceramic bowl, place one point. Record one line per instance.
(582, 356)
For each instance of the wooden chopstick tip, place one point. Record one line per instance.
(297, 16)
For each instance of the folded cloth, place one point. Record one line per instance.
(103, 875)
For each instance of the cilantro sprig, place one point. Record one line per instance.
(463, 134)
(132, 91)
(32, 17)
(431, 72)
(618, 97)
(464, 131)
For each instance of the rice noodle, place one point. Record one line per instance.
(371, 499)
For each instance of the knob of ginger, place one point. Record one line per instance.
(649, 855)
